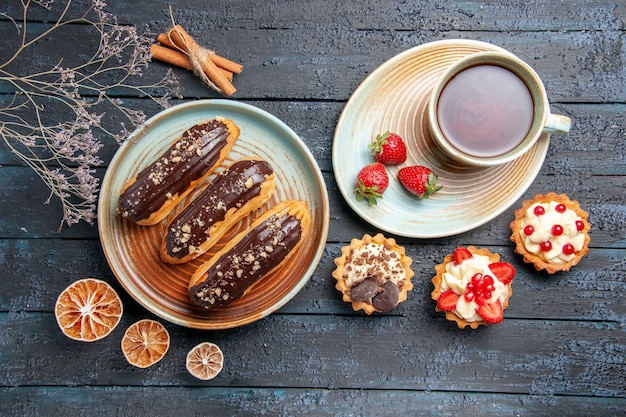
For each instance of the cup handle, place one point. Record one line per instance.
(555, 123)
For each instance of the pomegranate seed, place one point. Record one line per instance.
(539, 211)
(580, 225)
(557, 230)
(560, 208)
(546, 245)
(528, 230)
(479, 288)
(568, 249)
(477, 278)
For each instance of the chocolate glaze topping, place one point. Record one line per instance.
(257, 253)
(233, 188)
(186, 160)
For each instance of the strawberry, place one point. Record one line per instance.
(491, 312)
(461, 254)
(419, 180)
(504, 271)
(389, 149)
(447, 300)
(371, 183)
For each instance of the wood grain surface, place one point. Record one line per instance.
(561, 349)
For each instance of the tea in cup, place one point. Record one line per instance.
(490, 108)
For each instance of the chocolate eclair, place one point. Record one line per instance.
(151, 195)
(241, 188)
(253, 254)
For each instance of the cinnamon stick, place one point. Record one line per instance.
(170, 56)
(182, 40)
(177, 58)
(226, 63)
(164, 40)
(220, 61)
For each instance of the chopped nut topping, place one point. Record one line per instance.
(373, 260)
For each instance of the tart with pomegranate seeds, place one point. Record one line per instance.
(373, 273)
(551, 232)
(473, 287)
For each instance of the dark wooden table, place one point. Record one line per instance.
(561, 349)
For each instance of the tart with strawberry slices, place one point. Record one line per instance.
(473, 287)
(373, 273)
(551, 232)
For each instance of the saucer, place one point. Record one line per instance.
(394, 97)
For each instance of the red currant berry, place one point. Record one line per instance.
(539, 211)
(557, 230)
(546, 245)
(568, 249)
(560, 208)
(580, 225)
(529, 230)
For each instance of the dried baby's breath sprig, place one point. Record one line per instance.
(56, 115)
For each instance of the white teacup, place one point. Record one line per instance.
(490, 108)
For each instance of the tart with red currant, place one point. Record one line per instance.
(551, 232)
(373, 273)
(473, 287)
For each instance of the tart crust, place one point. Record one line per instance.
(530, 258)
(441, 268)
(341, 261)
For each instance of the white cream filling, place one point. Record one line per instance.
(373, 260)
(543, 232)
(456, 278)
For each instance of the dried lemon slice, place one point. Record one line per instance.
(145, 343)
(205, 361)
(88, 310)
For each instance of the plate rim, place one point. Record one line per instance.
(103, 208)
(392, 62)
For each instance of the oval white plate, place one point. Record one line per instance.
(132, 251)
(394, 98)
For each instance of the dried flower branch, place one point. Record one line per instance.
(64, 154)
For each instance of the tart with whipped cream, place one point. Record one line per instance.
(373, 273)
(473, 287)
(551, 232)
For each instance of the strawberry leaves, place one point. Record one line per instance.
(388, 149)
(419, 180)
(371, 183)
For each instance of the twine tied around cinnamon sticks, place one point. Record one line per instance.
(178, 48)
